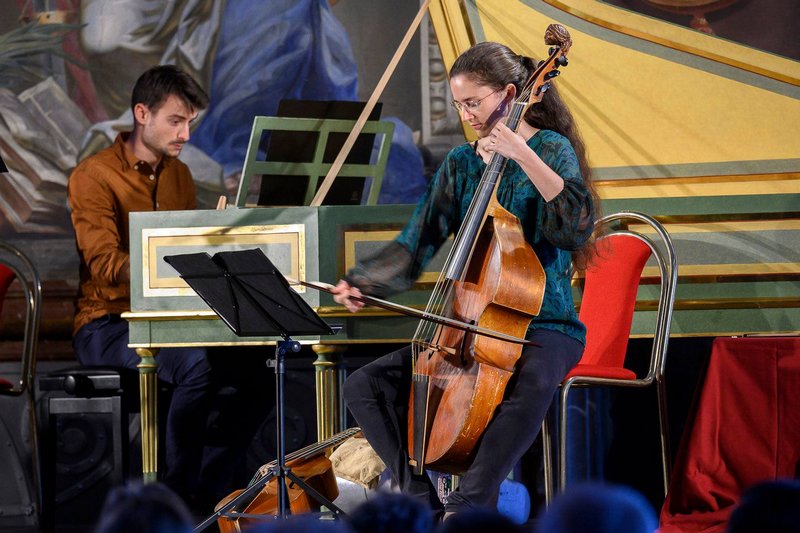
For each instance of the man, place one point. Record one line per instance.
(140, 172)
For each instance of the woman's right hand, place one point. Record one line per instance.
(342, 294)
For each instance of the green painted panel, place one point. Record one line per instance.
(707, 205)
(718, 291)
(165, 333)
(736, 321)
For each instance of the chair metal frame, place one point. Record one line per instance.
(28, 276)
(663, 252)
(316, 169)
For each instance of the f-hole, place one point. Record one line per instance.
(482, 243)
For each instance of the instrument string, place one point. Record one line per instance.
(309, 451)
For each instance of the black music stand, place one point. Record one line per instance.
(252, 297)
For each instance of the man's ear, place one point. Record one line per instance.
(141, 113)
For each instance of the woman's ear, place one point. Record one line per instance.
(511, 91)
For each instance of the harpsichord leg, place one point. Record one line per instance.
(148, 387)
(329, 377)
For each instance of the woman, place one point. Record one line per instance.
(547, 185)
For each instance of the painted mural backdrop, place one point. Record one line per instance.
(67, 73)
(67, 68)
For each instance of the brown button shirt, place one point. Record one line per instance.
(103, 189)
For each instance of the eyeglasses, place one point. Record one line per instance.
(472, 105)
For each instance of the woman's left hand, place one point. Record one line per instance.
(505, 142)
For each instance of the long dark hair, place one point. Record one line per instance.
(496, 65)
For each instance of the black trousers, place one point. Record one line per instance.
(377, 396)
(104, 341)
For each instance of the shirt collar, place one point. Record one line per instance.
(129, 159)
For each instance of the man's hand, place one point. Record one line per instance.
(222, 203)
(342, 293)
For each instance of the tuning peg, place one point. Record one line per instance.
(543, 89)
(562, 60)
(551, 50)
(552, 74)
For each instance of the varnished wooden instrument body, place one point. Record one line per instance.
(467, 373)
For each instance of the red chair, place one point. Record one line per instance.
(7, 277)
(606, 308)
(15, 265)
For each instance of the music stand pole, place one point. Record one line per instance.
(281, 348)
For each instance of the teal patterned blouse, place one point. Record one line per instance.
(552, 228)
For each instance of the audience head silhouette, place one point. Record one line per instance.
(139, 508)
(301, 523)
(478, 521)
(392, 513)
(598, 508)
(769, 507)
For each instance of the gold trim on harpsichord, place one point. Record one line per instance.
(776, 217)
(367, 311)
(219, 237)
(723, 226)
(352, 238)
(719, 272)
(736, 185)
(690, 180)
(721, 333)
(735, 303)
(681, 39)
(710, 304)
(134, 316)
(730, 272)
(756, 272)
(211, 344)
(326, 311)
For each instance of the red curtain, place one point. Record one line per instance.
(746, 429)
